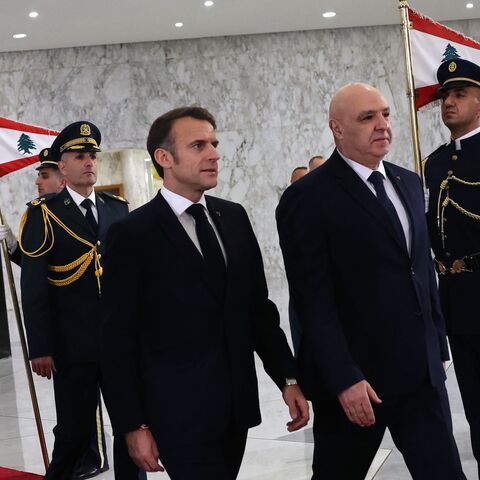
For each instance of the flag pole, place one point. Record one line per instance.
(403, 6)
(31, 385)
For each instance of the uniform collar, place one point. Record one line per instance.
(78, 199)
(458, 141)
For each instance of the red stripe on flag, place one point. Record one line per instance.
(12, 166)
(427, 25)
(24, 127)
(425, 95)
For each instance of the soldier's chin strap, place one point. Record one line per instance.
(80, 264)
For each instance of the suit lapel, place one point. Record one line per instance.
(179, 238)
(356, 188)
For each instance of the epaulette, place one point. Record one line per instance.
(115, 197)
(39, 200)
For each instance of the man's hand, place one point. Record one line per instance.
(143, 450)
(43, 366)
(298, 407)
(355, 402)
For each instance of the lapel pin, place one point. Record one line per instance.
(66, 201)
(218, 213)
(398, 178)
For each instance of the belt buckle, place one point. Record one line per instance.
(458, 266)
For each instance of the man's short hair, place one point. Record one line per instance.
(160, 136)
(310, 162)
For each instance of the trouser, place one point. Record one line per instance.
(420, 425)
(466, 359)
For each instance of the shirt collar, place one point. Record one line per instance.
(178, 203)
(458, 144)
(361, 170)
(78, 199)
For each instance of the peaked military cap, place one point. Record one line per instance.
(458, 73)
(46, 159)
(77, 137)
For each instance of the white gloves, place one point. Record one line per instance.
(6, 234)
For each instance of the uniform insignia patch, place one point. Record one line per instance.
(452, 67)
(67, 201)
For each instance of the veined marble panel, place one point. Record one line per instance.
(270, 94)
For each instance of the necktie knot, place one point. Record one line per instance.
(376, 178)
(87, 204)
(197, 211)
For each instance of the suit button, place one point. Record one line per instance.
(454, 157)
(413, 272)
(99, 242)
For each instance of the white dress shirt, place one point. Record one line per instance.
(364, 172)
(179, 206)
(78, 199)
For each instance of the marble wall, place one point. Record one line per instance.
(270, 94)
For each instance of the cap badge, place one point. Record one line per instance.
(35, 202)
(452, 67)
(45, 153)
(85, 129)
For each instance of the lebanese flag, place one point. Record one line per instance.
(20, 144)
(432, 43)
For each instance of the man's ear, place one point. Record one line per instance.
(163, 157)
(61, 167)
(336, 128)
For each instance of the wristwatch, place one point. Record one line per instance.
(290, 381)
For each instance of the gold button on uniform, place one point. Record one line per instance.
(454, 157)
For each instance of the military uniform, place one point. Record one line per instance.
(452, 176)
(61, 294)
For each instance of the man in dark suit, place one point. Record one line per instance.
(186, 306)
(62, 241)
(452, 176)
(356, 250)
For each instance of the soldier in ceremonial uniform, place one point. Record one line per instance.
(62, 241)
(452, 175)
(50, 180)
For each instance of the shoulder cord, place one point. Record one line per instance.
(442, 205)
(81, 263)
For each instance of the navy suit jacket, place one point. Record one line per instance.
(368, 309)
(176, 356)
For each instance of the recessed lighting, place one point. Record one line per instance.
(33, 14)
(469, 5)
(179, 24)
(209, 3)
(20, 35)
(328, 14)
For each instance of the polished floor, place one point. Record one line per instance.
(272, 453)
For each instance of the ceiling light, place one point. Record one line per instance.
(33, 14)
(469, 5)
(209, 3)
(328, 14)
(20, 35)
(179, 24)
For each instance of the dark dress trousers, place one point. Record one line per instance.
(461, 238)
(178, 353)
(64, 321)
(368, 310)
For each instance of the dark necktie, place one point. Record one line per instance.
(376, 179)
(87, 205)
(211, 251)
